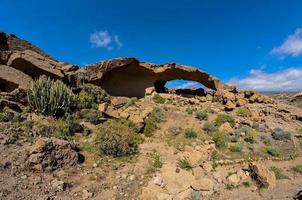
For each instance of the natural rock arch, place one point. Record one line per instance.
(129, 77)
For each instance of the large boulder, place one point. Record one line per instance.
(263, 176)
(48, 154)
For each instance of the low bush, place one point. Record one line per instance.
(222, 118)
(236, 147)
(201, 115)
(67, 126)
(156, 161)
(158, 99)
(189, 110)
(273, 151)
(90, 115)
(297, 168)
(116, 139)
(151, 123)
(209, 127)
(190, 133)
(184, 164)
(6, 116)
(244, 112)
(279, 134)
(130, 102)
(220, 139)
(250, 134)
(96, 93)
(279, 174)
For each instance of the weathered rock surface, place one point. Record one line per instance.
(262, 175)
(51, 153)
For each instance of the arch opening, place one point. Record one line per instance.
(6, 86)
(182, 87)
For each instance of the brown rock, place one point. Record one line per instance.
(119, 102)
(226, 128)
(263, 176)
(51, 153)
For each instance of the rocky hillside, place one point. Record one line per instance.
(111, 130)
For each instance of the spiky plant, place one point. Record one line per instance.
(49, 97)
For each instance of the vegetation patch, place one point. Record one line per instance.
(158, 99)
(152, 122)
(279, 174)
(236, 147)
(220, 139)
(222, 118)
(273, 151)
(209, 127)
(189, 110)
(297, 168)
(184, 164)
(49, 97)
(279, 134)
(190, 133)
(116, 139)
(244, 112)
(201, 115)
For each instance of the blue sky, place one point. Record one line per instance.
(252, 44)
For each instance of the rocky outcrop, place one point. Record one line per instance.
(263, 176)
(51, 153)
(20, 62)
(129, 77)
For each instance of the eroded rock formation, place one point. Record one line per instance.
(129, 77)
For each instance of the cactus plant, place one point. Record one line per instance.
(49, 97)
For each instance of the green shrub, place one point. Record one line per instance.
(236, 147)
(130, 102)
(156, 161)
(189, 110)
(246, 184)
(158, 99)
(201, 115)
(250, 136)
(209, 127)
(244, 112)
(209, 110)
(273, 151)
(67, 127)
(96, 93)
(220, 139)
(279, 134)
(279, 174)
(6, 116)
(90, 115)
(222, 118)
(184, 164)
(82, 100)
(297, 168)
(152, 121)
(49, 97)
(90, 96)
(190, 133)
(116, 139)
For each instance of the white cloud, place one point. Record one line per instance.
(117, 41)
(103, 39)
(188, 85)
(285, 80)
(291, 46)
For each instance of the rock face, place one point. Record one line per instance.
(262, 175)
(51, 153)
(129, 73)
(21, 62)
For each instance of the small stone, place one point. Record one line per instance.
(124, 176)
(234, 179)
(132, 177)
(23, 177)
(114, 187)
(158, 180)
(86, 194)
(95, 165)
